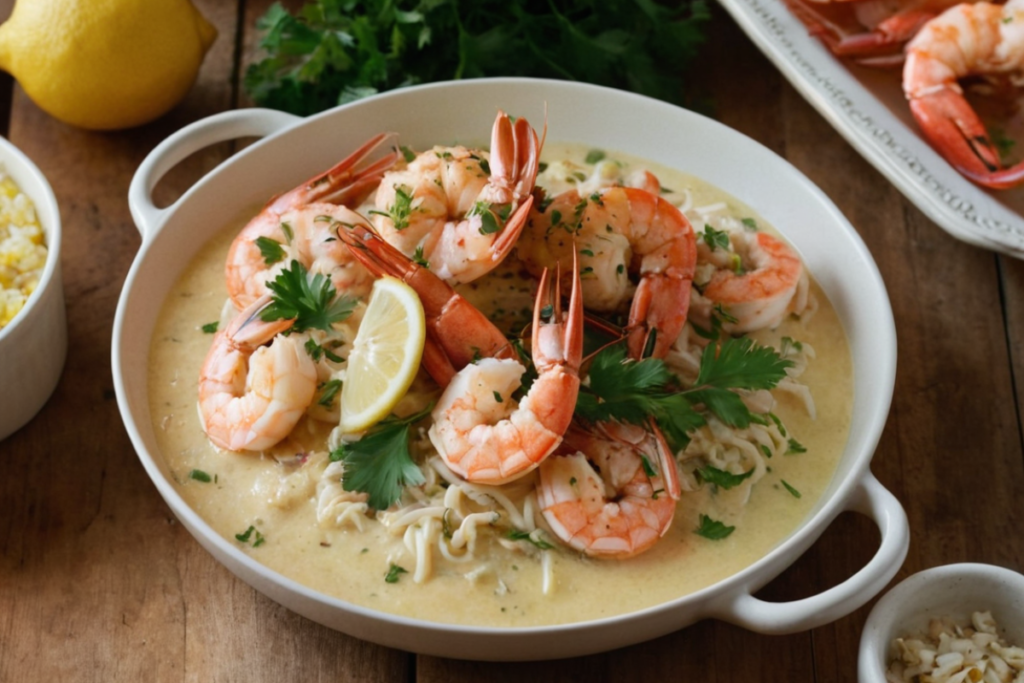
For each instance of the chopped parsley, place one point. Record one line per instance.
(318, 351)
(721, 478)
(379, 464)
(270, 249)
(594, 156)
(534, 537)
(210, 328)
(400, 211)
(394, 573)
(795, 447)
(311, 301)
(199, 475)
(330, 389)
(253, 534)
(796, 494)
(713, 529)
(716, 239)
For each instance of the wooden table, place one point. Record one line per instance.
(98, 582)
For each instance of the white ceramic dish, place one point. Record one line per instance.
(33, 345)
(293, 150)
(955, 591)
(867, 107)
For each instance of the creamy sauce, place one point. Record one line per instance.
(279, 499)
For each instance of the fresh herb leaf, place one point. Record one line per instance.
(251, 533)
(379, 464)
(713, 529)
(594, 156)
(330, 52)
(394, 572)
(749, 223)
(199, 475)
(716, 239)
(271, 250)
(400, 211)
(318, 351)
(721, 478)
(796, 494)
(330, 389)
(310, 300)
(534, 538)
(795, 447)
(210, 328)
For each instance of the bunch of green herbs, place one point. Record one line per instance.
(330, 52)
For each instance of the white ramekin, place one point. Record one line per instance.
(294, 149)
(953, 590)
(34, 344)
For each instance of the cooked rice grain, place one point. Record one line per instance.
(22, 249)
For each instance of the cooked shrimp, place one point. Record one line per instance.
(460, 209)
(770, 284)
(621, 230)
(603, 495)
(980, 39)
(300, 220)
(480, 431)
(873, 32)
(457, 332)
(251, 395)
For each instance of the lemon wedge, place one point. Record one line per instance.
(385, 354)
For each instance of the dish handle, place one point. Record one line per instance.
(228, 125)
(870, 499)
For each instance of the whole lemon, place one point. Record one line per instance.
(105, 64)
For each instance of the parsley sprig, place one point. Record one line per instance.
(626, 390)
(379, 464)
(311, 300)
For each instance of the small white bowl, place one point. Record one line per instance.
(955, 591)
(33, 345)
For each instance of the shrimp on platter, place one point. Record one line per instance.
(483, 434)
(300, 222)
(620, 231)
(872, 32)
(457, 332)
(458, 209)
(755, 285)
(981, 39)
(251, 396)
(611, 490)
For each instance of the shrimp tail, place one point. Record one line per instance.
(349, 182)
(457, 333)
(955, 130)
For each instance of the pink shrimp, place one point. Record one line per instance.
(619, 231)
(969, 39)
(770, 284)
(300, 221)
(479, 429)
(602, 495)
(457, 332)
(460, 209)
(251, 396)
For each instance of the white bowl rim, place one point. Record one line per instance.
(749, 578)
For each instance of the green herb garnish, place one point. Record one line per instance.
(379, 464)
(531, 537)
(721, 478)
(270, 249)
(251, 533)
(331, 52)
(716, 239)
(796, 494)
(329, 389)
(199, 475)
(394, 572)
(713, 529)
(210, 328)
(310, 300)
